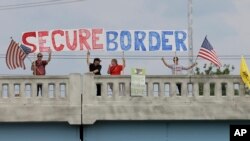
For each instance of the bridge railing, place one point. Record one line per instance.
(201, 98)
(25, 88)
(70, 97)
(157, 86)
(59, 100)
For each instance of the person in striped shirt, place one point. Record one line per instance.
(177, 69)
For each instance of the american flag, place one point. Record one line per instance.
(16, 54)
(207, 52)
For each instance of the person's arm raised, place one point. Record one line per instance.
(88, 56)
(49, 59)
(33, 66)
(109, 69)
(123, 63)
(165, 63)
(190, 67)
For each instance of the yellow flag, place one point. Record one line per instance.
(244, 72)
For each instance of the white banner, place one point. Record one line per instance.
(138, 82)
(98, 39)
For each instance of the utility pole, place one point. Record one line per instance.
(190, 33)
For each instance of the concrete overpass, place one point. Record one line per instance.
(202, 98)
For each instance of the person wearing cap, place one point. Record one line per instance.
(177, 69)
(38, 68)
(115, 68)
(95, 68)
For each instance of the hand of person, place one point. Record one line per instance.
(50, 51)
(95, 71)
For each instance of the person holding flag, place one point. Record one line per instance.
(39, 68)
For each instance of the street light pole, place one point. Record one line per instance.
(190, 33)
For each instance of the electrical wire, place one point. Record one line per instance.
(133, 57)
(28, 3)
(138, 55)
(37, 4)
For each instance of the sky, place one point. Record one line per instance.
(225, 22)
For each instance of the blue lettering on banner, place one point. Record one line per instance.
(154, 35)
(180, 37)
(110, 40)
(127, 35)
(139, 40)
(126, 40)
(165, 40)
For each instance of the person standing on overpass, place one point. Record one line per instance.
(177, 69)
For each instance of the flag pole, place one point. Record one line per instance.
(196, 59)
(174, 63)
(193, 73)
(31, 61)
(32, 64)
(34, 70)
(123, 57)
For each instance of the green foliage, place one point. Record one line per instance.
(213, 70)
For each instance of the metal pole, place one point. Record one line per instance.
(81, 126)
(190, 33)
(123, 57)
(174, 63)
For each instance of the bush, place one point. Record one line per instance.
(213, 70)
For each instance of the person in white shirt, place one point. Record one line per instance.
(177, 69)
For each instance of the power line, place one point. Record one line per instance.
(142, 55)
(138, 56)
(28, 3)
(80, 57)
(37, 4)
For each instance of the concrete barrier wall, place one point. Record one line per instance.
(201, 98)
(220, 98)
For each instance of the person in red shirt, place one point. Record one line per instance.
(115, 68)
(38, 68)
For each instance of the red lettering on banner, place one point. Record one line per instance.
(42, 41)
(74, 44)
(83, 38)
(25, 42)
(54, 33)
(95, 38)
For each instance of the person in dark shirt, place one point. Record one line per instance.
(95, 68)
